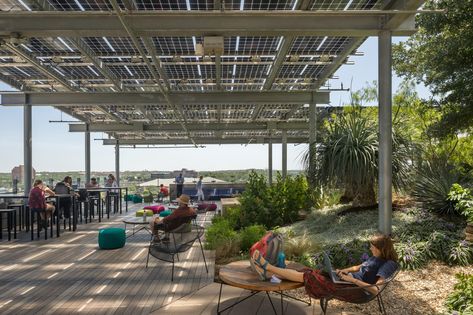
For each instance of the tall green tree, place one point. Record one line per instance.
(440, 55)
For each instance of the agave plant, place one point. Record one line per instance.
(347, 156)
(433, 183)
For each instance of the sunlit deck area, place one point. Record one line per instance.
(70, 274)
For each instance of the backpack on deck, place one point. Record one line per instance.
(270, 245)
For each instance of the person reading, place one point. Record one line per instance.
(374, 270)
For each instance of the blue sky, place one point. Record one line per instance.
(55, 149)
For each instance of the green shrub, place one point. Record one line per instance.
(274, 205)
(461, 253)
(219, 233)
(232, 215)
(463, 201)
(411, 255)
(461, 299)
(250, 235)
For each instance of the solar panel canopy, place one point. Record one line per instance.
(186, 71)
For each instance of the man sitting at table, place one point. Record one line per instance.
(183, 214)
(65, 188)
(37, 202)
(92, 184)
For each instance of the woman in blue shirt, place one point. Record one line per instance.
(375, 270)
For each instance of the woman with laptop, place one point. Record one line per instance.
(374, 270)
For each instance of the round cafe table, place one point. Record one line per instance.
(239, 274)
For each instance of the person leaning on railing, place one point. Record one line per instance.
(37, 201)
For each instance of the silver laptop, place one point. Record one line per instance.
(333, 275)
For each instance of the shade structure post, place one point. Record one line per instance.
(385, 133)
(117, 162)
(87, 154)
(284, 154)
(270, 161)
(27, 148)
(312, 142)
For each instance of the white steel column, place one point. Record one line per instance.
(117, 162)
(312, 141)
(87, 154)
(270, 161)
(27, 149)
(385, 132)
(284, 154)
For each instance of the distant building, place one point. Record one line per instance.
(18, 171)
(185, 172)
(156, 175)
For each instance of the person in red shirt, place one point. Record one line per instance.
(37, 201)
(163, 192)
(181, 215)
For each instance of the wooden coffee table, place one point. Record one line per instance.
(239, 274)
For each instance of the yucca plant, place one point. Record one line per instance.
(347, 156)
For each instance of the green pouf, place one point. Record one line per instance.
(165, 213)
(137, 199)
(128, 197)
(149, 213)
(111, 238)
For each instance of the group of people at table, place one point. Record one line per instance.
(40, 192)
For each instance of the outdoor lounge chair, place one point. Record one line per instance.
(369, 297)
(181, 240)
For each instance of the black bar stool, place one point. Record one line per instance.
(11, 222)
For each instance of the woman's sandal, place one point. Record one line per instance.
(261, 272)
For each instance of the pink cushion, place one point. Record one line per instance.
(207, 206)
(212, 207)
(155, 209)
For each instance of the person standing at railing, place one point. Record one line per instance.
(200, 189)
(179, 184)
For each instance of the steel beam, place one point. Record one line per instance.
(155, 98)
(147, 24)
(27, 148)
(385, 133)
(281, 57)
(174, 127)
(117, 162)
(87, 154)
(312, 141)
(203, 141)
(270, 161)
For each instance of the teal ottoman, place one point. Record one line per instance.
(111, 238)
(165, 213)
(137, 199)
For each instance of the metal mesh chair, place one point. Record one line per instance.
(364, 298)
(181, 240)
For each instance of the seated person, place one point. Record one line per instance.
(163, 192)
(37, 202)
(375, 270)
(183, 214)
(65, 204)
(92, 184)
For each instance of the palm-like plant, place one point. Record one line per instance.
(347, 156)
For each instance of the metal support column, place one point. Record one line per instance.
(312, 142)
(117, 162)
(270, 161)
(284, 154)
(385, 132)
(87, 154)
(27, 149)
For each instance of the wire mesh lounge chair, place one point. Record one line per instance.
(361, 300)
(180, 240)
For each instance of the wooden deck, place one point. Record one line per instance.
(70, 274)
